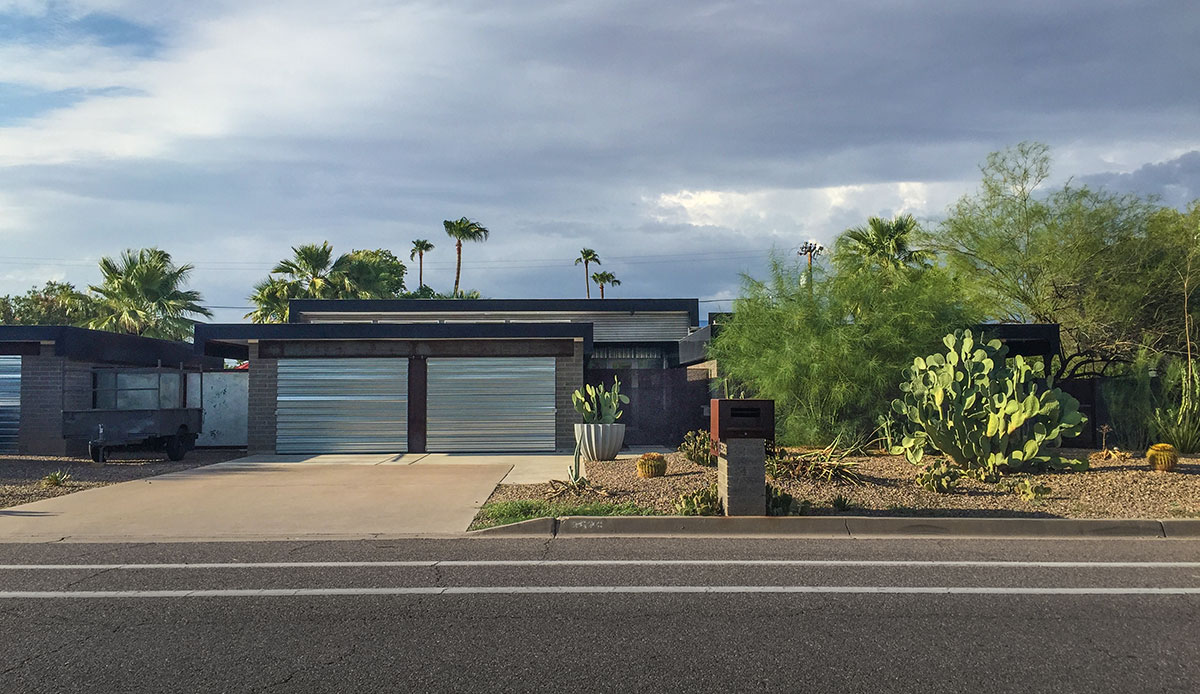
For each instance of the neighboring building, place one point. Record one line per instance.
(47, 369)
(460, 375)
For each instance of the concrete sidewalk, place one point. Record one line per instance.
(264, 501)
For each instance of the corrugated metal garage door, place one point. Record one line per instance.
(10, 402)
(342, 406)
(491, 404)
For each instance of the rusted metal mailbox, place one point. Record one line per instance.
(742, 419)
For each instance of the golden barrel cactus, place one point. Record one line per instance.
(1163, 457)
(652, 465)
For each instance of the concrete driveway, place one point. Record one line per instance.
(248, 500)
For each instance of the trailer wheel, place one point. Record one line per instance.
(176, 447)
(97, 453)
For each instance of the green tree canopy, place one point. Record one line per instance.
(142, 293)
(883, 244)
(1100, 265)
(603, 279)
(832, 358)
(55, 303)
(314, 272)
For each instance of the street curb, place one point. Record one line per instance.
(845, 527)
(525, 528)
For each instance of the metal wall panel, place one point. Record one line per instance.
(607, 326)
(10, 402)
(342, 406)
(491, 404)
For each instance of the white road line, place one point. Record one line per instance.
(575, 590)
(799, 563)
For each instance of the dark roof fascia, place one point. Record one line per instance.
(1025, 339)
(297, 307)
(693, 349)
(81, 344)
(219, 339)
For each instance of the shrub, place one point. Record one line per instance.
(779, 502)
(697, 447)
(1177, 420)
(986, 417)
(56, 479)
(702, 502)
(841, 503)
(829, 464)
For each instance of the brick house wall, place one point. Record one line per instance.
(264, 375)
(568, 378)
(49, 384)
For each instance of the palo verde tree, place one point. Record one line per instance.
(460, 230)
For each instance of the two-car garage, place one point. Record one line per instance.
(365, 405)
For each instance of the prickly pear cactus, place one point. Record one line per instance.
(599, 406)
(987, 416)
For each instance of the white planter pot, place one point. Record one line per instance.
(599, 441)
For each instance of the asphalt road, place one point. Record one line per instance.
(695, 615)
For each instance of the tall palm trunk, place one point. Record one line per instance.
(420, 269)
(587, 282)
(457, 267)
(602, 291)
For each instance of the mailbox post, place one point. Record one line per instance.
(740, 429)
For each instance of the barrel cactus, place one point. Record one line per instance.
(1163, 457)
(651, 465)
(987, 416)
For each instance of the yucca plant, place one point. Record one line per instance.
(56, 479)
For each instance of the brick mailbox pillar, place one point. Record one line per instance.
(741, 429)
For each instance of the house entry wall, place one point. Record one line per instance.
(10, 402)
(490, 404)
(350, 405)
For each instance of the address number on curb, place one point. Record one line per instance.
(586, 524)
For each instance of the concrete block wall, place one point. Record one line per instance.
(568, 378)
(264, 375)
(49, 384)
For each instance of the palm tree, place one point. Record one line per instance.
(603, 278)
(461, 230)
(270, 298)
(883, 243)
(419, 249)
(314, 272)
(587, 256)
(142, 294)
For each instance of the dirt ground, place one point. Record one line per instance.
(21, 476)
(1108, 490)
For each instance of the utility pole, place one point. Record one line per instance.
(810, 248)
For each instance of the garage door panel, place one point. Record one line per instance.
(491, 404)
(342, 406)
(10, 402)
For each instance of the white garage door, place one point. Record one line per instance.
(490, 404)
(342, 406)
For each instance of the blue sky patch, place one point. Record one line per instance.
(56, 27)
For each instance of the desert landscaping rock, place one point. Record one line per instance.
(1114, 489)
(21, 476)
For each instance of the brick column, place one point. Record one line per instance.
(264, 375)
(568, 378)
(742, 477)
(49, 384)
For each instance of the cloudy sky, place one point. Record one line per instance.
(682, 141)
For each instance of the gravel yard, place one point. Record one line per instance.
(21, 476)
(1108, 490)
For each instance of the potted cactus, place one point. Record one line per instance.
(651, 465)
(600, 436)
